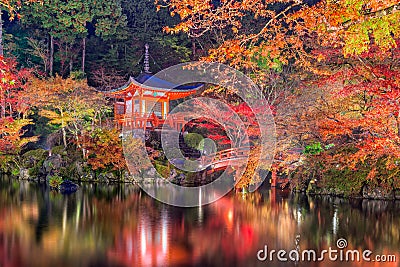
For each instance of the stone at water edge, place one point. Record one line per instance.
(68, 187)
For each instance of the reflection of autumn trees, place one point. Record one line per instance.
(121, 225)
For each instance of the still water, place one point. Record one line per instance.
(105, 225)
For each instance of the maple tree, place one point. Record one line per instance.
(368, 123)
(103, 149)
(228, 118)
(14, 107)
(69, 103)
(266, 34)
(293, 41)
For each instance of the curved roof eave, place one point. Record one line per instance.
(141, 85)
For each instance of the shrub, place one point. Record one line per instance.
(193, 140)
(55, 181)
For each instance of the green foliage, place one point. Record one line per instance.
(173, 152)
(59, 150)
(15, 172)
(55, 181)
(77, 75)
(193, 140)
(161, 169)
(33, 160)
(267, 62)
(384, 30)
(345, 181)
(313, 149)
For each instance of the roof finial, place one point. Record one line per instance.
(146, 59)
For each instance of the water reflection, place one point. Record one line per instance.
(121, 226)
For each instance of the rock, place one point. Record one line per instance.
(107, 177)
(151, 172)
(397, 194)
(172, 174)
(87, 176)
(52, 163)
(78, 168)
(24, 174)
(68, 187)
(127, 177)
(102, 178)
(376, 193)
(181, 178)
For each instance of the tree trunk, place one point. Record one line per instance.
(64, 135)
(83, 54)
(398, 124)
(3, 105)
(71, 62)
(193, 48)
(1, 35)
(51, 57)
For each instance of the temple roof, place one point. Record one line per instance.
(150, 82)
(154, 85)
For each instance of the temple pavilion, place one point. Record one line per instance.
(146, 106)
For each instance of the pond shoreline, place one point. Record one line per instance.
(393, 197)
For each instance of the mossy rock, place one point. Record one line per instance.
(33, 161)
(59, 150)
(127, 177)
(107, 177)
(33, 157)
(52, 164)
(345, 182)
(377, 192)
(88, 176)
(73, 170)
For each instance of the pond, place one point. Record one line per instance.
(119, 225)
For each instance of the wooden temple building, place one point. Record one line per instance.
(144, 102)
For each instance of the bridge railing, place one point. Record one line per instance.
(231, 153)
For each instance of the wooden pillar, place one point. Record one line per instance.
(162, 110)
(140, 102)
(134, 113)
(167, 109)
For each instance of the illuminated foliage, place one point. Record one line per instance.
(103, 150)
(69, 103)
(14, 107)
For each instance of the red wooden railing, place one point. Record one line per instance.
(231, 153)
(143, 121)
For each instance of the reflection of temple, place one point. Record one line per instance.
(149, 245)
(144, 102)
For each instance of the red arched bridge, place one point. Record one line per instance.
(234, 157)
(224, 158)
